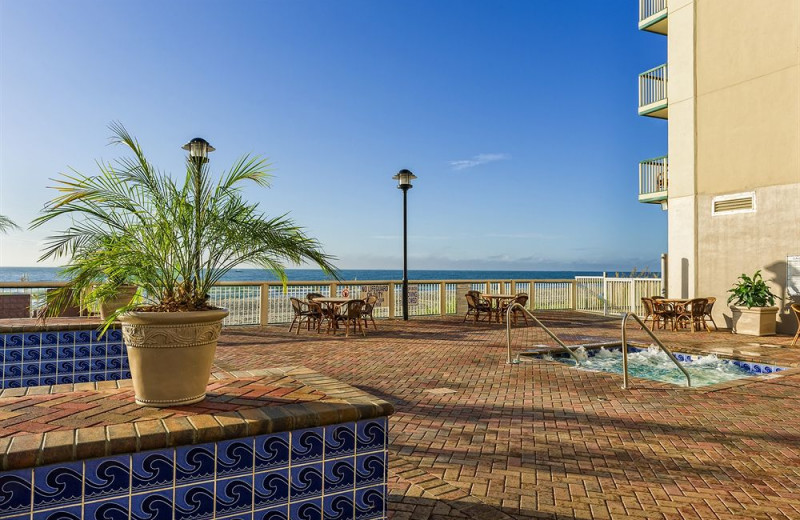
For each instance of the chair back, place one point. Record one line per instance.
(312, 295)
(796, 310)
(660, 307)
(521, 298)
(697, 307)
(710, 304)
(350, 310)
(314, 308)
(648, 305)
(471, 303)
(369, 303)
(297, 306)
(658, 297)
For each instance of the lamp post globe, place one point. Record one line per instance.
(198, 149)
(404, 178)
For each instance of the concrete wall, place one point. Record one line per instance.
(747, 131)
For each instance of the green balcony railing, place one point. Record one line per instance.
(653, 92)
(653, 16)
(653, 180)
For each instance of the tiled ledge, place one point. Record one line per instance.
(8, 325)
(47, 425)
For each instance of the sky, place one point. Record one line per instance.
(519, 119)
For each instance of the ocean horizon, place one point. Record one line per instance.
(51, 274)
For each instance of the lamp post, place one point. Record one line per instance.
(404, 178)
(198, 149)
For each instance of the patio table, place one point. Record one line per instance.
(496, 300)
(330, 303)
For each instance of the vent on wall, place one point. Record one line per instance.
(734, 203)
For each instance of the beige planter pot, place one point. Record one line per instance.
(756, 321)
(170, 354)
(123, 298)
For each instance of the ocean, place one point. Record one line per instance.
(49, 274)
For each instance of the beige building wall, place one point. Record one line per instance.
(746, 133)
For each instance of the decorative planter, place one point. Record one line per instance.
(123, 298)
(755, 321)
(170, 354)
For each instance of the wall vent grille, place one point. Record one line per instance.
(735, 203)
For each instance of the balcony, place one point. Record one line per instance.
(653, 180)
(653, 92)
(653, 16)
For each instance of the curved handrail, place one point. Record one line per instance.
(536, 320)
(657, 341)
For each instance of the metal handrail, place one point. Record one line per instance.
(654, 338)
(536, 320)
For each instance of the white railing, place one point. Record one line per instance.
(653, 86)
(653, 176)
(648, 8)
(616, 296)
(261, 303)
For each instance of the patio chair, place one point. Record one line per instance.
(312, 295)
(347, 313)
(796, 310)
(367, 310)
(692, 314)
(665, 313)
(476, 305)
(308, 311)
(649, 313)
(520, 298)
(707, 313)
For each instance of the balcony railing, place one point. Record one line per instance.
(653, 180)
(653, 92)
(653, 16)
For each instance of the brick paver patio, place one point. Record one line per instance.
(474, 437)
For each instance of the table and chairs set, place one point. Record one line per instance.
(494, 306)
(679, 313)
(336, 311)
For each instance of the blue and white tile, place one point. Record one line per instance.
(14, 341)
(339, 506)
(280, 512)
(32, 339)
(340, 440)
(307, 445)
(271, 488)
(272, 451)
(370, 435)
(194, 463)
(49, 338)
(306, 509)
(112, 509)
(306, 481)
(238, 516)
(49, 353)
(15, 491)
(62, 513)
(195, 501)
(107, 477)
(339, 474)
(234, 457)
(114, 335)
(83, 351)
(234, 495)
(66, 338)
(370, 469)
(57, 485)
(370, 503)
(152, 505)
(83, 337)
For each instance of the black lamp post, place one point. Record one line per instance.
(198, 149)
(404, 178)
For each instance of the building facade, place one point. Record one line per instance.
(730, 92)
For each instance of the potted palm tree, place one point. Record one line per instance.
(174, 241)
(753, 310)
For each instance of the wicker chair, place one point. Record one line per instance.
(665, 313)
(367, 310)
(796, 310)
(649, 313)
(520, 298)
(313, 295)
(692, 314)
(347, 313)
(308, 311)
(707, 313)
(476, 305)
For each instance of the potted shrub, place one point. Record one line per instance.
(754, 312)
(174, 240)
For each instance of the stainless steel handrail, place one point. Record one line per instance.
(536, 320)
(657, 341)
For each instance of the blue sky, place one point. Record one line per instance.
(518, 117)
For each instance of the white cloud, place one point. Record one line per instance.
(477, 160)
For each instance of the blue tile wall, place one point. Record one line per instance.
(332, 472)
(56, 357)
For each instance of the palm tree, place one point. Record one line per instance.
(131, 222)
(6, 224)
